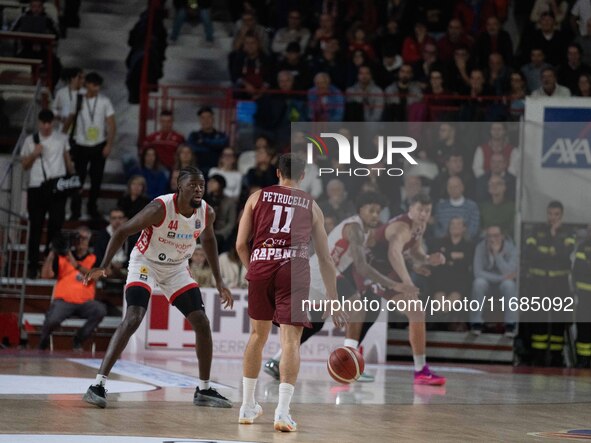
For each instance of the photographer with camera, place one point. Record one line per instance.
(70, 296)
(46, 155)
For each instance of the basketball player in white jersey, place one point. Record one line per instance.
(347, 244)
(170, 226)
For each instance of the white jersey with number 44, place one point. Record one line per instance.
(174, 240)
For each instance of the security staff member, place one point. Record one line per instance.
(582, 284)
(548, 250)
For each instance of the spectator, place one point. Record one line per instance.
(453, 280)
(474, 109)
(494, 39)
(402, 94)
(389, 39)
(184, 8)
(207, 143)
(458, 71)
(294, 63)
(329, 61)
(324, 34)
(550, 87)
(135, 198)
(454, 38)
(183, 158)
(569, 73)
(46, 155)
(173, 184)
(445, 145)
(325, 101)
(94, 135)
(118, 267)
(355, 61)
(498, 143)
(497, 74)
(498, 211)
(412, 47)
(70, 295)
(583, 88)
(232, 270)
(437, 96)
(387, 72)
(498, 167)
(248, 27)
(558, 8)
(584, 41)
(426, 64)
(366, 95)
(495, 268)
(548, 39)
(227, 169)
(200, 269)
(336, 201)
(517, 96)
(250, 69)
(580, 14)
(311, 183)
(412, 186)
(166, 141)
(358, 42)
(225, 210)
(456, 206)
(293, 33)
(454, 167)
(533, 70)
(264, 173)
(66, 98)
(330, 222)
(156, 177)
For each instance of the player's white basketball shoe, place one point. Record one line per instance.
(285, 423)
(249, 414)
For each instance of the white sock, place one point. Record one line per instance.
(203, 385)
(350, 343)
(285, 394)
(420, 361)
(248, 387)
(277, 356)
(100, 380)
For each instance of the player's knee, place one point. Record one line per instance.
(133, 318)
(199, 322)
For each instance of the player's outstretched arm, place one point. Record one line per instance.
(210, 247)
(245, 230)
(152, 214)
(421, 258)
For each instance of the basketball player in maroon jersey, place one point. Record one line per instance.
(280, 220)
(403, 235)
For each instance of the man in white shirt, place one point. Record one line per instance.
(46, 155)
(65, 99)
(294, 32)
(94, 135)
(550, 87)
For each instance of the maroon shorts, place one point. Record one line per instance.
(279, 297)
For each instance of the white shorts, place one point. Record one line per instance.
(172, 279)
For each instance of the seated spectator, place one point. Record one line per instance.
(437, 96)
(498, 143)
(402, 94)
(35, 21)
(458, 71)
(533, 70)
(569, 73)
(264, 173)
(412, 186)
(386, 73)
(156, 176)
(184, 157)
(584, 41)
(497, 74)
(550, 87)
(367, 96)
(453, 280)
(231, 269)
(551, 41)
(118, 267)
(200, 269)
(330, 61)
(499, 210)
(413, 45)
(494, 39)
(325, 33)
(251, 71)
(294, 63)
(454, 38)
(495, 268)
(166, 141)
(70, 295)
(389, 39)
(583, 88)
(173, 184)
(559, 8)
(248, 26)
(427, 64)
(225, 210)
(453, 167)
(135, 198)
(446, 143)
(66, 98)
(208, 142)
(354, 63)
(336, 201)
(358, 42)
(474, 109)
(227, 169)
(517, 94)
(456, 206)
(498, 167)
(325, 102)
(293, 33)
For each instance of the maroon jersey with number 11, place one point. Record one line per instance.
(282, 225)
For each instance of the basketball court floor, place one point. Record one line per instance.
(150, 397)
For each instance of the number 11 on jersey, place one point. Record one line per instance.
(278, 210)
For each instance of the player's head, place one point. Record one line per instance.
(420, 208)
(369, 206)
(291, 167)
(554, 212)
(191, 186)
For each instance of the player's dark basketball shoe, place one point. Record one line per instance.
(210, 397)
(272, 368)
(96, 395)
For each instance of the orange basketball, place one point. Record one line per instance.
(345, 365)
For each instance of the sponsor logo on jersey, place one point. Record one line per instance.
(197, 224)
(171, 234)
(161, 256)
(196, 234)
(143, 270)
(143, 277)
(184, 236)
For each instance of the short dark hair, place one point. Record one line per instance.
(291, 166)
(421, 198)
(220, 179)
(549, 68)
(94, 78)
(116, 209)
(556, 204)
(46, 116)
(203, 109)
(166, 112)
(188, 171)
(70, 73)
(369, 198)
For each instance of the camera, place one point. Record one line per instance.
(62, 243)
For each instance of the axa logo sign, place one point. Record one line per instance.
(567, 153)
(386, 150)
(566, 138)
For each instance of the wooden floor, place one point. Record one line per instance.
(151, 396)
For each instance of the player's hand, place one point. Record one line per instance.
(94, 274)
(422, 270)
(226, 297)
(408, 289)
(436, 259)
(339, 317)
